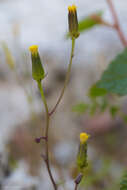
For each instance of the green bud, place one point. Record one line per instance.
(73, 21)
(82, 156)
(37, 68)
(82, 152)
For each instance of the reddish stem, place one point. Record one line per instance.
(116, 23)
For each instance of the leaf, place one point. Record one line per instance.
(114, 78)
(123, 184)
(96, 92)
(93, 108)
(125, 118)
(90, 21)
(103, 105)
(80, 108)
(114, 110)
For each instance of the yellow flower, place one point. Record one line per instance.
(83, 137)
(72, 8)
(33, 49)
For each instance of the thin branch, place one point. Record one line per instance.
(47, 136)
(66, 79)
(76, 186)
(78, 180)
(101, 21)
(116, 23)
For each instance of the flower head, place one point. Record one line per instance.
(84, 137)
(72, 8)
(37, 68)
(33, 49)
(73, 21)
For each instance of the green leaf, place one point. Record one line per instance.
(103, 105)
(114, 78)
(93, 108)
(80, 108)
(125, 118)
(89, 21)
(123, 184)
(114, 110)
(96, 92)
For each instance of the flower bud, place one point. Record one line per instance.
(37, 68)
(73, 21)
(82, 153)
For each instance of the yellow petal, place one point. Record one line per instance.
(33, 49)
(84, 137)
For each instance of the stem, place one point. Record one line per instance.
(66, 79)
(78, 180)
(116, 23)
(76, 186)
(101, 21)
(47, 135)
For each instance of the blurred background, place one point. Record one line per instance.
(22, 117)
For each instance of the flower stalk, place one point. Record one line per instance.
(116, 23)
(66, 78)
(47, 135)
(38, 74)
(81, 158)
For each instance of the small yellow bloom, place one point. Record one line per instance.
(84, 137)
(72, 8)
(33, 49)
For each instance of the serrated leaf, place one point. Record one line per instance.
(90, 21)
(114, 78)
(96, 92)
(80, 108)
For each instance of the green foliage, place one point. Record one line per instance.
(82, 157)
(80, 108)
(92, 178)
(90, 21)
(93, 107)
(95, 91)
(114, 78)
(114, 110)
(125, 118)
(123, 184)
(104, 104)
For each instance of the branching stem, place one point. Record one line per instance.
(66, 78)
(46, 159)
(47, 136)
